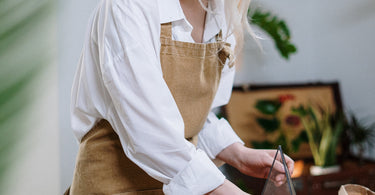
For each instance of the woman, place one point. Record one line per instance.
(149, 74)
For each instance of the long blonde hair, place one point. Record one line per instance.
(237, 22)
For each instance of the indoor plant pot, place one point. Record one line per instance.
(323, 130)
(320, 170)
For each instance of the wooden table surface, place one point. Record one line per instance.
(351, 172)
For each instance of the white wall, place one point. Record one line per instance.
(72, 22)
(335, 41)
(334, 38)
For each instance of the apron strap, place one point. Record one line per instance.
(166, 31)
(225, 49)
(228, 52)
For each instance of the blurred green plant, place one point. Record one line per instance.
(271, 120)
(324, 131)
(22, 57)
(276, 28)
(360, 135)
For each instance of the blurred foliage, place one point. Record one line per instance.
(323, 130)
(24, 51)
(270, 121)
(276, 28)
(269, 125)
(268, 106)
(360, 134)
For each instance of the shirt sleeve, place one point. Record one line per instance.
(217, 134)
(144, 113)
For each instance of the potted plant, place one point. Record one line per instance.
(324, 130)
(360, 135)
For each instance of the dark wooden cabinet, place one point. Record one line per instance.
(351, 173)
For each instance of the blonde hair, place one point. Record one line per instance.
(237, 22)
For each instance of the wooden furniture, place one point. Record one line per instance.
(243, 113)
(351, 173)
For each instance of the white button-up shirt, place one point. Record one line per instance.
(119, 78)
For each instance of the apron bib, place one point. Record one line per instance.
(192, 72)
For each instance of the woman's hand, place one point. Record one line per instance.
(256, 163)
(227, 188)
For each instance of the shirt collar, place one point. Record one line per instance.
(170, 10)
(214, 21)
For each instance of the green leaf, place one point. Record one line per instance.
(296, 143)
(338, 128)
(269, 107)
(360, 134)
(276, 28)
(269, 125)
(300, 111)
(303, 136)
(283, 141)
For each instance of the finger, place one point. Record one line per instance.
(279, 167)
(290, 164)
(279, 180)
(272, 154)
(279, 183)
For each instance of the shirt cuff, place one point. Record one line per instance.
(216, 135)
(199, 177)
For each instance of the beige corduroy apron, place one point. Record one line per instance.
(192, 72)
